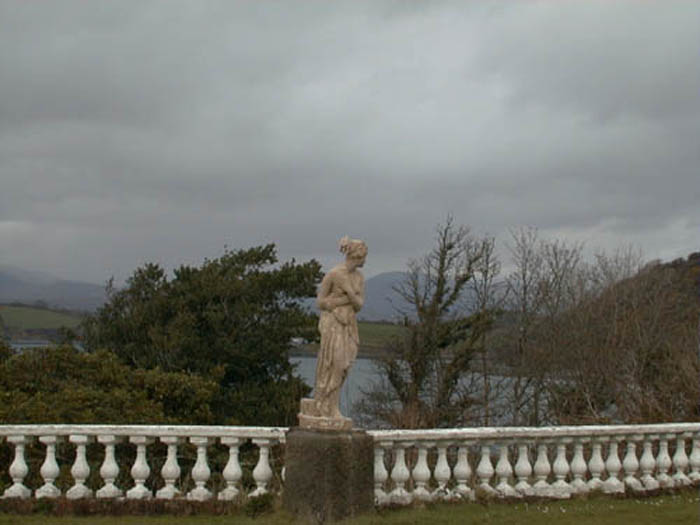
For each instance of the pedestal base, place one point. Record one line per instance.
(329, 475)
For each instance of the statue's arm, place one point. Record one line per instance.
(356, 299)
(325, 300)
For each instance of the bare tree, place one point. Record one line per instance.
(425, 371)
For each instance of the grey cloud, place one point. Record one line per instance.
(133, 131)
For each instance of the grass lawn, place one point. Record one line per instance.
(378, 334)
(669, 509)
(28, 318)
(373, 339)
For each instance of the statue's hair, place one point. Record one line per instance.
(352, 247)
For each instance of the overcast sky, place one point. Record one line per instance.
(134, 131)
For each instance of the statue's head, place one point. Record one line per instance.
(355, 250)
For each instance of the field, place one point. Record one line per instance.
(374, 338)
(682, 508)
(20, 318)
(378, 335)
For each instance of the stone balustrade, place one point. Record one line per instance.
(551, 462)
(138, 440)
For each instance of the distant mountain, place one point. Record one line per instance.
(19, 285)
(381, 301)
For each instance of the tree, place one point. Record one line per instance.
(63, 385)
(424, 370)
(233, 318)
(629, 349)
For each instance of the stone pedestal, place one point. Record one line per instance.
(329, 475)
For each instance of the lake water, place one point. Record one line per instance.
(364, 374)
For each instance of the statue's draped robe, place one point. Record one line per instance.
(339, 343)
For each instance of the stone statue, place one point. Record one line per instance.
(340, 297)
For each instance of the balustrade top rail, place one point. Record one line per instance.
(503, 433)
(465, 433)
(146, 430)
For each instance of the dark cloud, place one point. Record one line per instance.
(134, 131)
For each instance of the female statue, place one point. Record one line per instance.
(340, 297)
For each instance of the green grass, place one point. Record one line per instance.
(669, 509)
(378, 335)
(28, 318)
(374, 338)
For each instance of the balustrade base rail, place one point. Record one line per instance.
(138, 462)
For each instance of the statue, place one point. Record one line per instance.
(340, 297)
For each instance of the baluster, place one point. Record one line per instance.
(140, 470)
(680, 462)
(171, 469)
(463, 472)
(443, 473)
(421, 472)
(262, 473)
(695, 460)
(631, 464)
(109, 469)
(232, 471)
(647, 463)
(503, 472)
(49, 469)
(612, 484)
(484, 470)
(80, 469)
(542, 470)
(18, 469)
(560, 488)
(400, 475)
(523, 471)
(596, 465)
(201, 471)
(579, 468)
(380, 473)
(663, 462)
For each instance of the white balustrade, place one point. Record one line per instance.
(630, 465)
(49, 469)
(504, 472)
(484, 470)
(469, 462)
(442, 473)
(80, 469)
(694, 460)
(596, 465)
(523, 471)
(232, 471)
(170, 472)
(110, 468)
(542, 470)
(612, 484)
(421, 472)
(463, 472)
(18, 469)
(680, 462)
(560, 467)
(201, 471)
(663, 462)
(579, 468)
(262, 473)
(647, 463)
(400, 475)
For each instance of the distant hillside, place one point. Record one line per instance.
(22, 286)
(381, 302)
(22, 318)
